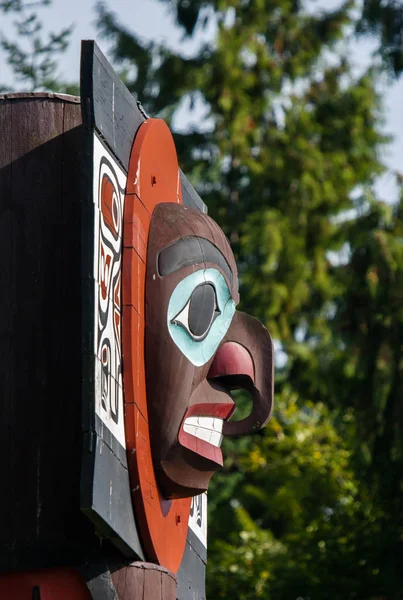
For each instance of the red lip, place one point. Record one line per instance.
(210, 409)
(201, 447)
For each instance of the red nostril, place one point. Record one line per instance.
(232, 359)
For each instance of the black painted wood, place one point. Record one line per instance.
(191, 576)
(196, 545)
(107, 104)
(189, 195)
(106, 497)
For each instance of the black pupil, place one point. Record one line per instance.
(201, 309)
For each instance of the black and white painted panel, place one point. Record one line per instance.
(105, 487)
(198, 518)
(109, 190)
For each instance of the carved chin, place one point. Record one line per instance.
(185, 474)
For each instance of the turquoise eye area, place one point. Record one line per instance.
(200, 312)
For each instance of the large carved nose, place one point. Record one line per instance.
(244, 360)
(232, 359)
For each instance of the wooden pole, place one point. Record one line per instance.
(42, 527)
(40, 326)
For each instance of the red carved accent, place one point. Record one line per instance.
(153, 178)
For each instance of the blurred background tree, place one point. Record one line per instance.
(286, 156)
(285, 153)
(384, 19)
(31, 55)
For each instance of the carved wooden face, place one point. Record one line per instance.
(197, 349)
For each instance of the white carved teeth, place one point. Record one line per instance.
(205, 428)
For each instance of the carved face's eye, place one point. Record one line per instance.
(200, 312)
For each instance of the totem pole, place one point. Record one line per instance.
(120, 343)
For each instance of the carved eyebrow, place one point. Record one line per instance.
(189, 251)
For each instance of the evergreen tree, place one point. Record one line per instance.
(31, 56)
(311, 508)
(384, 19)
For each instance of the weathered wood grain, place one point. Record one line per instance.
(40, 330)
(144, 581)
(107, 104)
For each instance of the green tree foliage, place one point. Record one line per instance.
(30, 54)
(286, 152)
(384, 19)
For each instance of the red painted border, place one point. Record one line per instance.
(153, 177)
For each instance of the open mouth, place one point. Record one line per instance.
(201, 430)
(208, 429)
(203, 424)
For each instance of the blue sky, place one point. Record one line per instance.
(151, 20)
